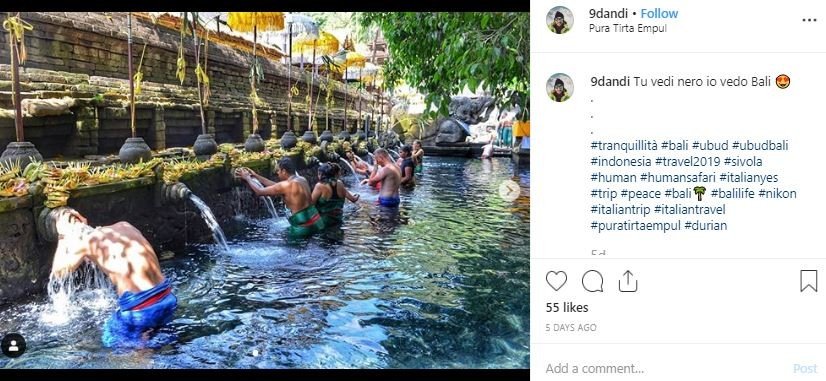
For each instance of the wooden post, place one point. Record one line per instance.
(312, 83)
(361, 124)
(198, 83)
(254, 75)
(373, 61)
(15, 70)
(381, 108)
(131, 73)
(346, 127)
(289, 78)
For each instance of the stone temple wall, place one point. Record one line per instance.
(83, 56)
(169, 225)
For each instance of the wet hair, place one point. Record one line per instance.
(407, 149)
(80, 230)
(381, 152)
(287, 164)
(336, 169)
(66, 212)
(63, 212)
(326, 172)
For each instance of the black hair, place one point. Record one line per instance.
(326, 172)
(407, 149)
(336, 169)
(287, 164)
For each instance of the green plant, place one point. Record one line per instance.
(441, 53)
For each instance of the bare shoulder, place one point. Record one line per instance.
(123, 225)
(126, 228)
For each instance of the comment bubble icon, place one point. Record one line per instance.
(592, 281)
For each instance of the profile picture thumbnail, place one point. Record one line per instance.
(560, 20)
(560, 87)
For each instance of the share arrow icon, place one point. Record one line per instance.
(627, 285)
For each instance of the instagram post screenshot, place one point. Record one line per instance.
(308, 191)
(677, 231)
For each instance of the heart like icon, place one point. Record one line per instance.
(556, 279)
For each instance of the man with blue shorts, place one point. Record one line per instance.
(388, 174)
(145, 298)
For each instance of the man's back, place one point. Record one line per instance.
(298, 195)
(126, 256)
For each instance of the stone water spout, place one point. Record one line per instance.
(175, 193)
(46, 223)
(180, 193)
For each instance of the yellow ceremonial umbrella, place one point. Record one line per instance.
(324, 44)
(348, 58)
(246, 22)
(365, 73)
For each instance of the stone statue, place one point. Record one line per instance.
(464, 112)
(389, 139)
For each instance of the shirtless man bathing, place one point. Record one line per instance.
(388, 174)
(145, 298)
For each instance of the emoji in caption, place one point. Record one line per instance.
(783, 81)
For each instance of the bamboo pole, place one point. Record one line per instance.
(312, 83)
(381, 109)
(373, 61)
(289, 78)
(254, 75)
(198, 83)
(346, 127)
(131, 73)
(15, 70)
(361, 123)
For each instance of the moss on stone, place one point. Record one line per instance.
(112, 187)
(8, 204)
